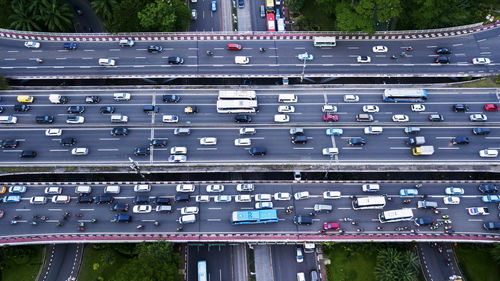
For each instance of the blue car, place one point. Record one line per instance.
(11, 199)
(334, 132)
(17, 189)
(408, 192)
(214, 5)
(490, 198)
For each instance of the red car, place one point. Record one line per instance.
(331, 226)
(490, 107)
(330, 118)
(234, 47)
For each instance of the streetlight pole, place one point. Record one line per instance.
(135, 166)
(328, 167)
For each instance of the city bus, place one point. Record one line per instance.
(237, 95)
(254, 216)
(271, 22)
(281, 25)
(405, 95)
(237, 106)
(269, 6)
(370, 202)
(396, 215)
(324, 41)
(202, 271)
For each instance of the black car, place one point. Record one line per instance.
(103, 199)
(92, 99)
(155, 49)
(1, 109)
(435, 117)
(141, 151)
(151, 108)
(242, 118)
(302, 219)
(181, 198)
(21, 107)
(107, 109)
(357, 141)
(141, 199)
(162, 200)
(9, 143)
(44, 119)
(158, 142)
(481, 131)
(460, 108)
(260, 151)
(241, 3)
(175, 60)
(423, 221)
(171, 98)
(75, 109)
(487, 188)
(491, 225)
(28, 154)
(300, 139)
(68, 141)
(119, 207)
(460, 140)
(441, 59)
(443, 51)
(85, 199)
(119, 132)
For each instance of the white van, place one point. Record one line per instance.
(106, 62)
(8, 119)
(118, 118)
(83, 189)
(178, 150)
(121, 96)
(113, 189)
(287, 98)
(187, 219)
(373, 130)
(241, 60)
(372, 187)
(281, 118)
(142, 188)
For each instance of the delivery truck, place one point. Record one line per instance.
(423, 150)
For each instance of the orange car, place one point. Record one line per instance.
(3, 189)
(234, 47)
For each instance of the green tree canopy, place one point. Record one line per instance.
(21, 18)
(164, 16)
(364, 15)
(393, 264)
(56, 15)
(104, 8)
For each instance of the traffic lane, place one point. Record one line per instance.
(284, 261)
(218, 258)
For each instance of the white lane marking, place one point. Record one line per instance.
(57, 150)
(448, 147)
(108, 149)
(109, 139)
(399, 147)
(481, 40)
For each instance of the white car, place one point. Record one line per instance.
(331, 195)
(301, 195)
(142, 209)
(329, 151)
(38, 200)
(222, 199)
(178, 150)
(379, 49)
(400, 118)
(61, 199)
(106, 62)
(247, 131)
(75, 120)
(243, 198)
(185, 188)
(177, 158)
(328, 108)
(208, 141)
(281, 118)
(189, 210)
(263, 197)
(305, 56)
(215, 188)
(32, 44)
(242, 142)
(53, 132)
(170, 118)
(488, 153)
(53, 190)
(417, 107)
(364, 59)
(478, 211)
(245, 187)
(142, 188)
(451, 200)
(263, 205)
(282, 196)
(286, 108)
(202, 198)
(478, 117)
(121, 96)
(481, 61)
(80, 151)
(351, 98)
(370, 108)
(241, 60)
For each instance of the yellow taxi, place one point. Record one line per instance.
(25, 99)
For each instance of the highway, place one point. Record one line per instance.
(214, 218)
(280, 59)
(387, 148)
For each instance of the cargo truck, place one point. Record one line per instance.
(423, 150)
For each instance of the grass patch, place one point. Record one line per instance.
(23, 267)
(348, 263)
(106, 258)
(488, 82)
(476, 262)
(316, 17)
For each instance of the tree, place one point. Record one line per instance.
(158, 16)
(365, 15)
(103, 8)
(495, 251)
(393, 264)
(125, 17)
(56, 15)
(21, 18)
(295, 5)
(328, 6)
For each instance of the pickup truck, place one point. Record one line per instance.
(415, 141)
(423, 150)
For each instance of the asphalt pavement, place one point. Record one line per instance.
(285, 265)
(219, 261)
(438, 261)
(64, 262)
(263, 263)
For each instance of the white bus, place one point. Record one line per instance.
(202, 271)
(237, 106)
(396, 215)
(281, 25)
(370, 202)
(237, 95)
(324, 41)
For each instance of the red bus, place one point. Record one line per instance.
(271, 22)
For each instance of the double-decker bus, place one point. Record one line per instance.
(271, 22)
(396, 215)
(324, 41)
(405, 95)
(237, 95)
(254, 216)
(202, 271)
(237, 106)
(370, 202)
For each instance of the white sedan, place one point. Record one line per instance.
(75, 120)
(170, 118)
(400, 118)
(417, 107)
(189, 210)
(286, 108)
(478, 211)
(478, 117)
(488, 153)
(53, 132)
(451, 200)
(305, 56)
(282, 196)
(331, 195)
(32, 44)
(281, 118)
(177, 158)
(215, 188)
(370, 108)
(301, 195)
(208, 141)
(481, 61)
(80, 151)
(364, 59)
(379, 49)
(202, 198)
(242, 142)
(330, 151)
(142, 209)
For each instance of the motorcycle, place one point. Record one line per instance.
(347, 219)
(448, 227)
(379, 228)
(81, 226)
(13, 222)
(39, 60)
(78, 215)
(140, 226)
(156, 223)
(93, 220)
(407, 201)
(209, 53)
(418, 185)
(447, 221)
(262, 50)
(17, 217)
(179, 228)
(445, 216)
(403, 54)
(409, 48)
(449, 231)
(394, 57)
